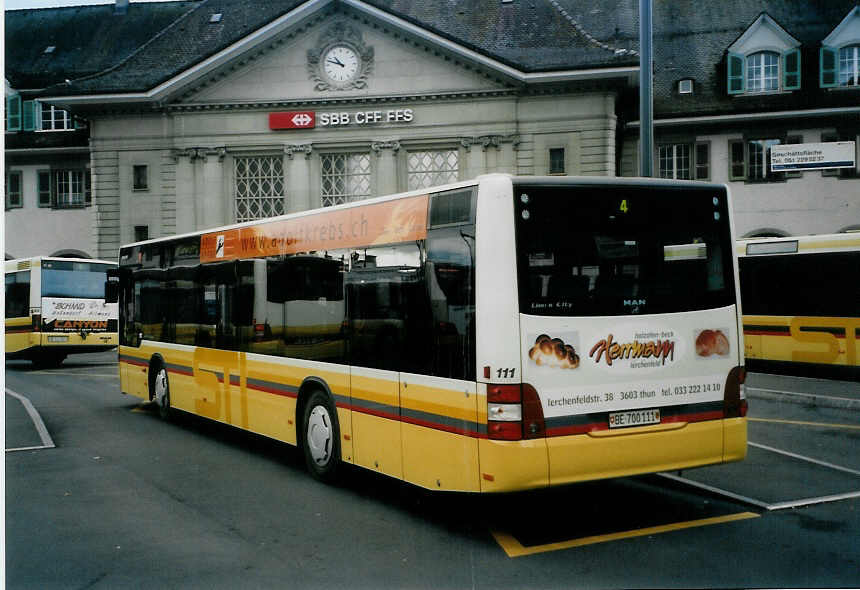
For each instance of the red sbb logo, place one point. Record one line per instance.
(293, 120)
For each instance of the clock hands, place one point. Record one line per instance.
(336, 61)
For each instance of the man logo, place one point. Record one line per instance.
(634, 302)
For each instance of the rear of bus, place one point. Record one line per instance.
(68, 313)
(611, 347)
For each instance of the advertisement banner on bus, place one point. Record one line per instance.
(389, 222)
(587, 366)
(74, 315)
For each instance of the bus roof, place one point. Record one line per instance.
(518, 180)
(33, 261)
(820, 243)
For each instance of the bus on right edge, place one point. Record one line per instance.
(801, 305)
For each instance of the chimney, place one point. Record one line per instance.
(121, 7)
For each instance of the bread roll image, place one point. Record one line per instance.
(553, 352)
(721, 343)
(712, 342)
(705, 343)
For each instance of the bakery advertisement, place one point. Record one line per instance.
(712, 343)
(555, 352)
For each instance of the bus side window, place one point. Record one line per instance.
(451, 286)
(387, 307)
(18, 294)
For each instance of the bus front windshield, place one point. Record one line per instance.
(82, 280)
(595, 251)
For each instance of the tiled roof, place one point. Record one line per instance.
(86, 39)
(102, 53)
(691, 38)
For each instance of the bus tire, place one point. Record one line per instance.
(49, 360)
(161, 392)
(321, 437)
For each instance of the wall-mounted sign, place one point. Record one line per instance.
(813, 156)
(292, 120)
(312, 119)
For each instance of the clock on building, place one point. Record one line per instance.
(341, 60)
(341, 64)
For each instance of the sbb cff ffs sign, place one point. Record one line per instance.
(293, 120)
(310, 119)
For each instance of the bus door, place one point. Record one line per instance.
(376, 312)
(438, 391)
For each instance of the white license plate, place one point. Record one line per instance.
(634, 418)
(58, 338)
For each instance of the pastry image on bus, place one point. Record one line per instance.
(712, 342)
(553, 352)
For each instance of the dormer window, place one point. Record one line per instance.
(763, 72)
(840, 54)
(764, 59)
(849, 66)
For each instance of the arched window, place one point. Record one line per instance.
(762, 72)
(849, 65)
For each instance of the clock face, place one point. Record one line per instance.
(340, 64)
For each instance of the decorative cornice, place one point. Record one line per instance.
(305, 148)
(487, 141)
(199, 153)
(378, 146)
(308, 103)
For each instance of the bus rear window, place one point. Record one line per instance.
(592, 251)
(66, 278)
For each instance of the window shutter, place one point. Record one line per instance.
(44, 182)
(791, 70)
(827, 69)
(13, 113)
(735, 74)
(29, 114)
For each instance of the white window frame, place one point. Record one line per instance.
(53, 119)
(762, 71)
(853, 77)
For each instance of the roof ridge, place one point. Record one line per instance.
(588, 36)
(161, 33)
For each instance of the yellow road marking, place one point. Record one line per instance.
(800, 423)
(515, 549)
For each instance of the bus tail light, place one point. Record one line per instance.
(514, 412)
(37, 322)
(734, 397)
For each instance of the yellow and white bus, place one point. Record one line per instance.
(55, 307)
(801, 304)
(501, 334)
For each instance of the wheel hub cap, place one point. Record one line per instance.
(319, 435)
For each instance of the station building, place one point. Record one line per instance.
(231, 110)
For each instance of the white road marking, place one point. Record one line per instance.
(47, 441)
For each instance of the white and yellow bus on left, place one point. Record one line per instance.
(56, 307)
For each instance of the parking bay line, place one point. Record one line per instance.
(47, 441)
(513, 548)
(778, 505)
(802, 423)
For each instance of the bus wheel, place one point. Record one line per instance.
(321, 437)
(49, 360)
(161, 393)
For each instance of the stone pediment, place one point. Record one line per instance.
(307, 68)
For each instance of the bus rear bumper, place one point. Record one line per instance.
(508, 466)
